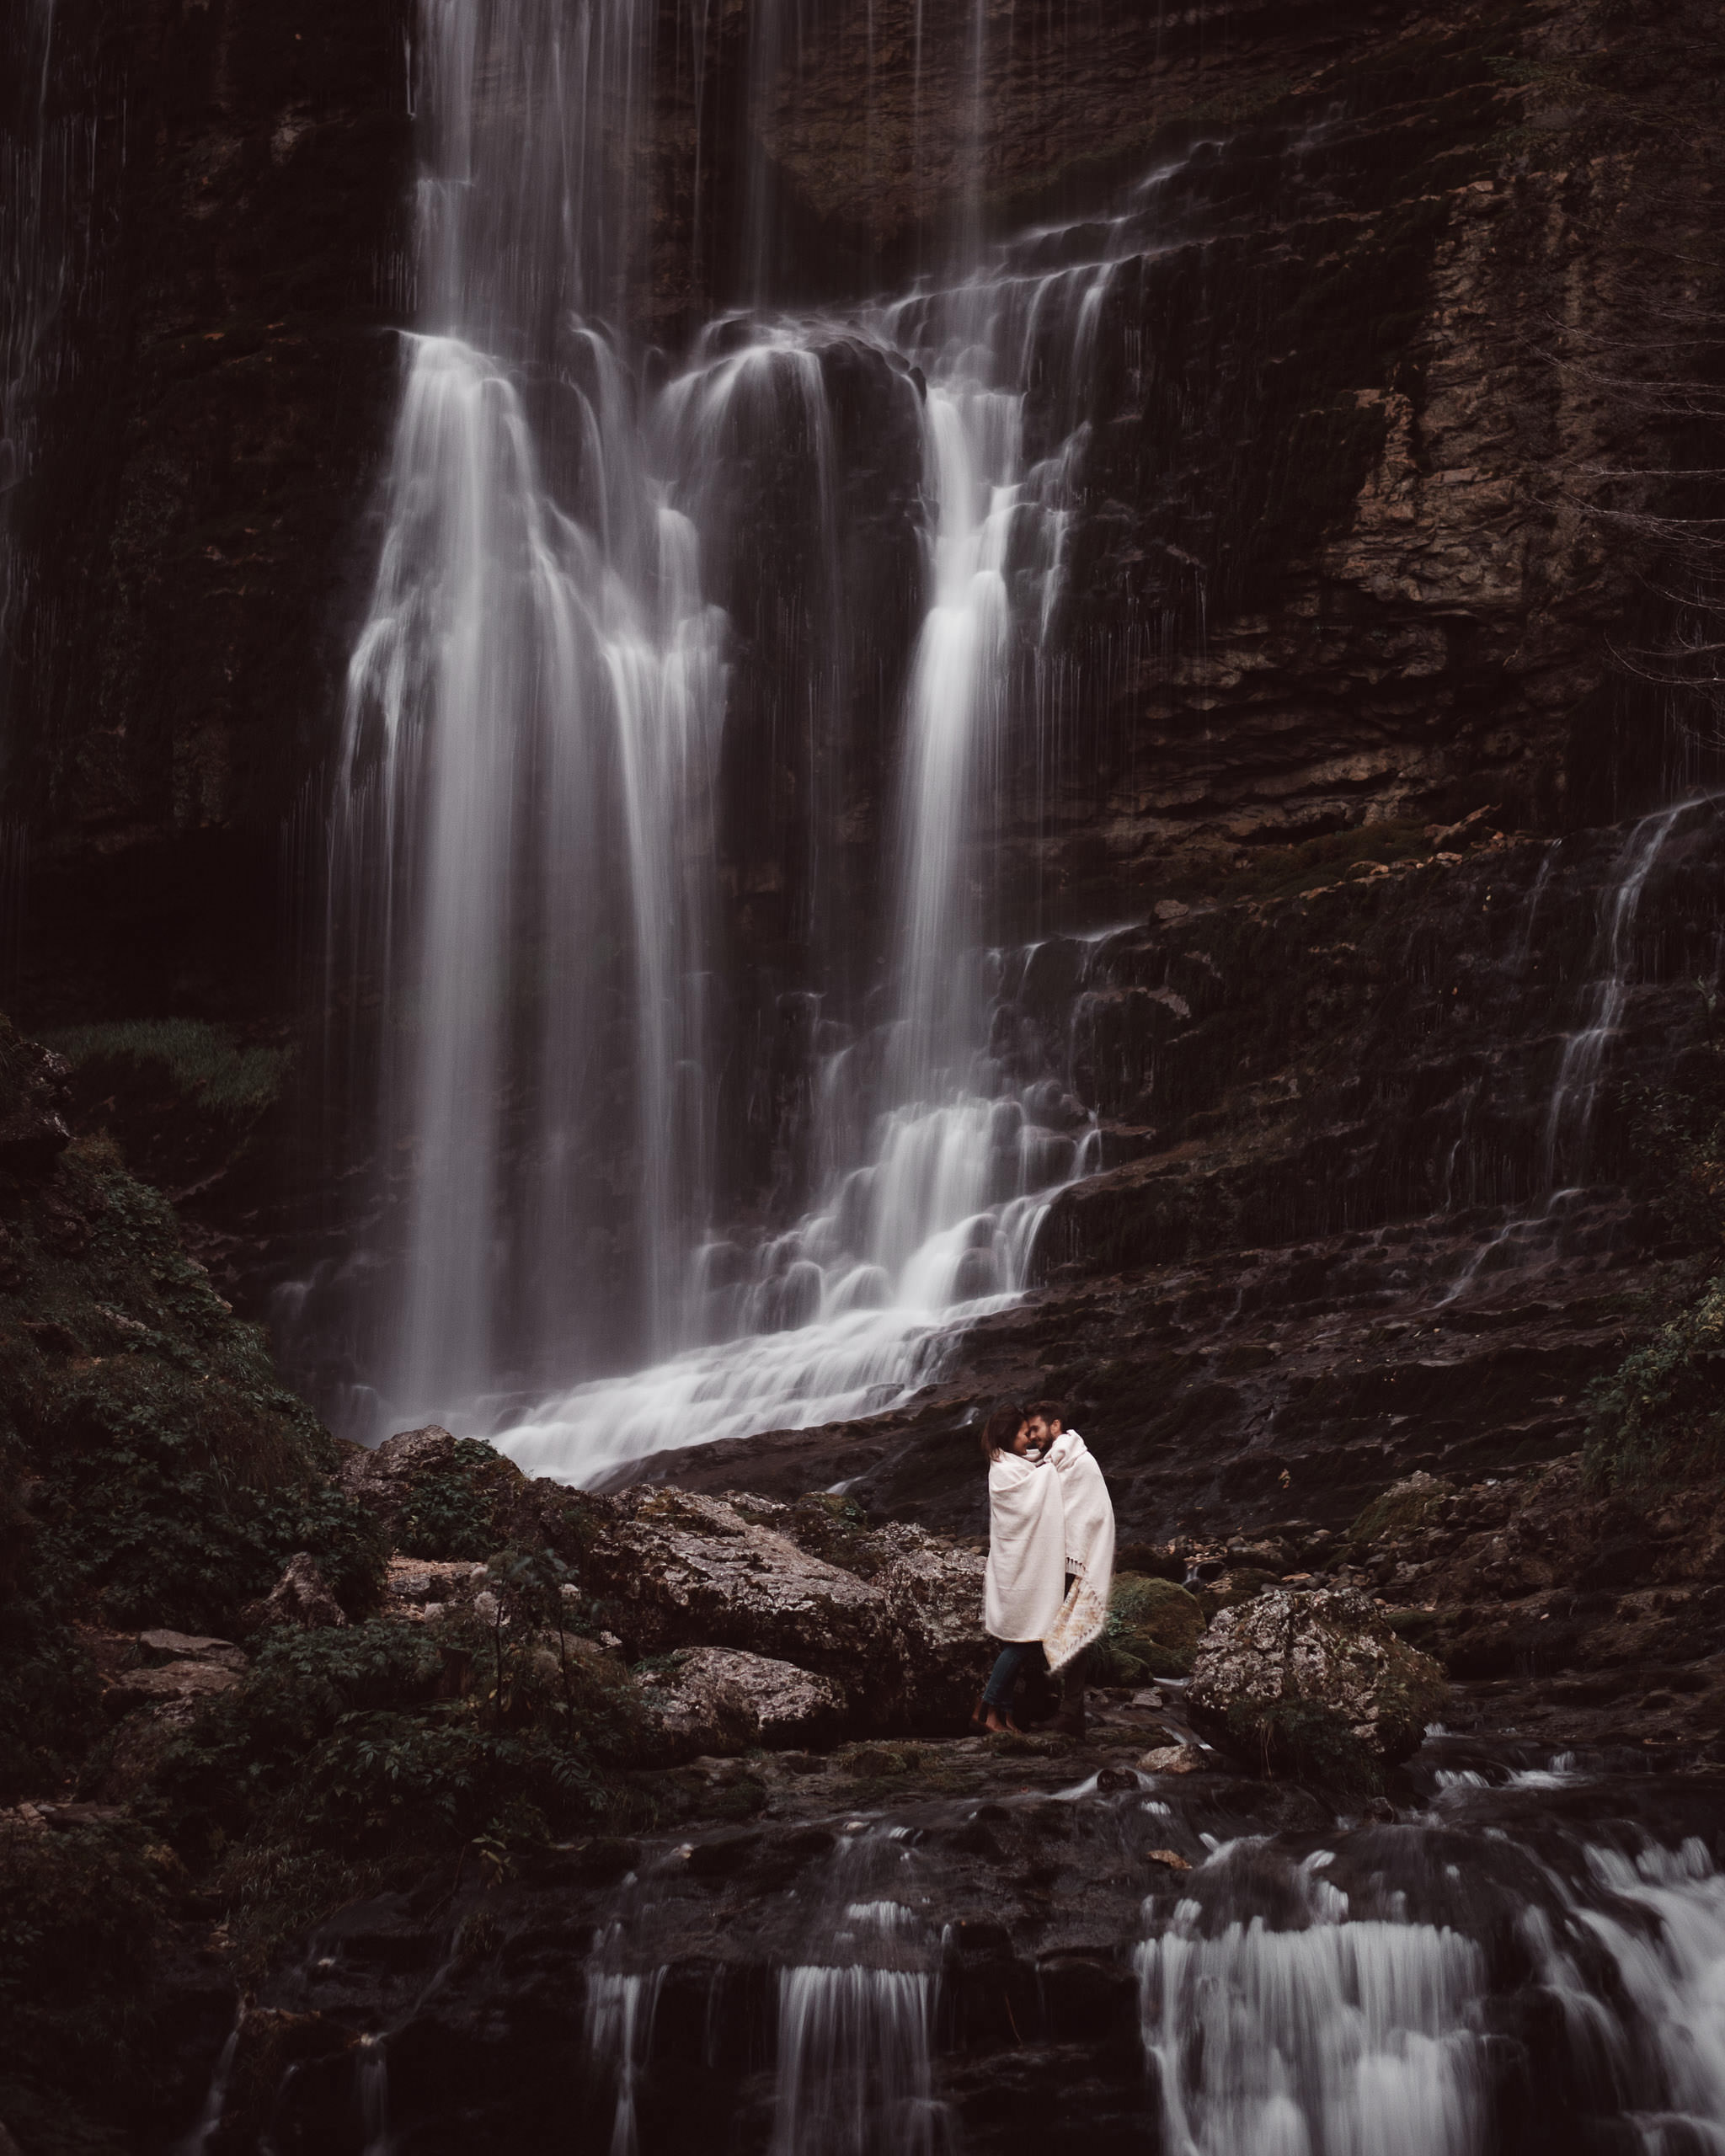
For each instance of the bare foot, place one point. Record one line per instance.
(1000, 1724)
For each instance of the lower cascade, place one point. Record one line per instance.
(1527, 1956)
(1457, 1982)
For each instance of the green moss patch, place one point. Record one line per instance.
(183, 1099)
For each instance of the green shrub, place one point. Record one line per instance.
(461, 1511)
(82, 1911)
(188, 1056)
(1660, 1415)
(352, 1756)
(49, 1700)
(156, 1508)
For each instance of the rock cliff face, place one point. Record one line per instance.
(1330, 536)
(1334, 585)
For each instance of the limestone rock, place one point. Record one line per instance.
(1314, 1682)
(1172, 1759)
(385, 1478)
(689, 1571)
(721, 1700)
(300, 1597)
(167, 1645)
(906, 1640)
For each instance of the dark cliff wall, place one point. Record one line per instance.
(195, 530)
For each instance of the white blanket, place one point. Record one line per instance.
(1088, 1515)
(1026, 1578)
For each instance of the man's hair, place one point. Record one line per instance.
(1000, 1429)
(1050, 1409)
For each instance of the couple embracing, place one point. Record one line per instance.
(1050, 1557)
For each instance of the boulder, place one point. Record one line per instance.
(301, 1597)
(685, 1571)
(439, 1498)
(384, 1479)
(1314, 1683)
(1173, 1759)
(894, 1615)
(722, 1701)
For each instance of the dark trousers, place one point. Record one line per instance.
(1016, 1656)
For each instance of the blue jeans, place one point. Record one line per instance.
(1017, 1656)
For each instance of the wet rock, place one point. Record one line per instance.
(1317, 1682)
(301, 1597)
(1171, 1859)
(722, 1700)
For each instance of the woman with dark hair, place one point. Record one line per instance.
(1025, 1583)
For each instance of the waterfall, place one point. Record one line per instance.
(619, 2032)
(572, 614)
(1575, 1092)
(938, 1167)
(1280, 2019)
(203, 2135)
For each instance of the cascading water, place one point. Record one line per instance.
(517, 846)
(939, 1169)
(1566, 1132)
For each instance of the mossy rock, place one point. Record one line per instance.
(1316, 1685)
(1153, 1630)
(1404, 1506)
